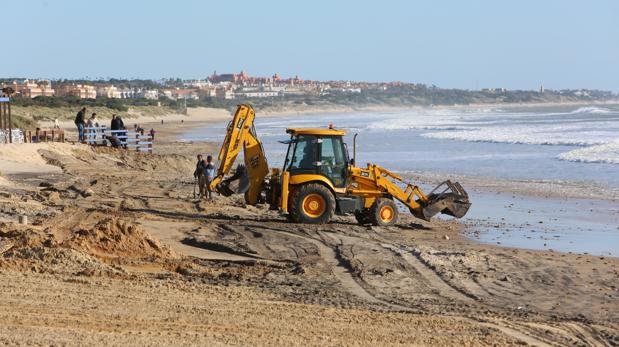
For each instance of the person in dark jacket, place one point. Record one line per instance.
(113, 137)
(121, 123)
(114, 125)
(80, 122)
(199, 174)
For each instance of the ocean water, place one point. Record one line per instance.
(568, 143)
(576, 144)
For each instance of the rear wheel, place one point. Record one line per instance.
(384, 212)
(312, 203)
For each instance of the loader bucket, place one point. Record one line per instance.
(238, 183)
(452, 200)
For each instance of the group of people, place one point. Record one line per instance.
(205, 173)
(117, 124)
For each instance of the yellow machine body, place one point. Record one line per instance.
(318, 179)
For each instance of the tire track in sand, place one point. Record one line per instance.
(348, 280)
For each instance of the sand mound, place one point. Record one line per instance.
(25, 157)
(108, 161)
(75, 247)
(113, 237)
(57, 260)
(30, 248)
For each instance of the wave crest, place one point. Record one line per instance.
(591, 109)
(605, 153)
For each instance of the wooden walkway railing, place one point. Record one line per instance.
(101, 136)
(45, 135)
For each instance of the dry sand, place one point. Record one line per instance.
(118, 252)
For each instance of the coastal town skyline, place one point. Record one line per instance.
(242, 85)
(516, 46)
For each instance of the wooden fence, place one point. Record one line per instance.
(8, 134)
(45, 135)
(101, 136)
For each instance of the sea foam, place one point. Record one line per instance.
(604, 153)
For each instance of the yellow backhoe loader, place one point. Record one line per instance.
(319, 180)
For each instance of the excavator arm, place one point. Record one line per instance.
(375, 181)
(241, 134)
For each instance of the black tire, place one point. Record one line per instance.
(301, 213)
(363, 217)
(384, 212)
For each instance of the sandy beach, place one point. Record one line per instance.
(118, 251)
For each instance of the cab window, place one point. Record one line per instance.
(333, 160)
(304, 154)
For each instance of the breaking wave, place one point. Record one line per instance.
(604, 153)
(591, 109)
(528, 135)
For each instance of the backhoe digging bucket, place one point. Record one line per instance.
(235, 184)
(452, 200)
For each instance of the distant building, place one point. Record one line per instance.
(81, 91)
(224, 93)
(148, 94)
(177, 93)
(127, 93)
(210, 91)
(200, 84)
(257, 94)
(494, 90)
(31, 89)
(109, 92)
(541, 88)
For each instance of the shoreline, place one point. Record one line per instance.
(386, 108)
(208, 115)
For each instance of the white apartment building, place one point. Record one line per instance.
(109, 92)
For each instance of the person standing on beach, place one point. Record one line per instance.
(209, 173)
(114, 124)
(121, 124)
(152, 133)
(199, 174)
(80, 122)
(92, 123)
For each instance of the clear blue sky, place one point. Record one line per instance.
(462, 44)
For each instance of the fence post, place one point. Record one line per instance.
(10, 124)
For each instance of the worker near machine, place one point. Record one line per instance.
(200, 175)
(309, 157)
(209, 174)
(80, 122)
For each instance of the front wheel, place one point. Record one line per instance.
(384, 212)
(312, 203)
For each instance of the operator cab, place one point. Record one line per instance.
(318, 151)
